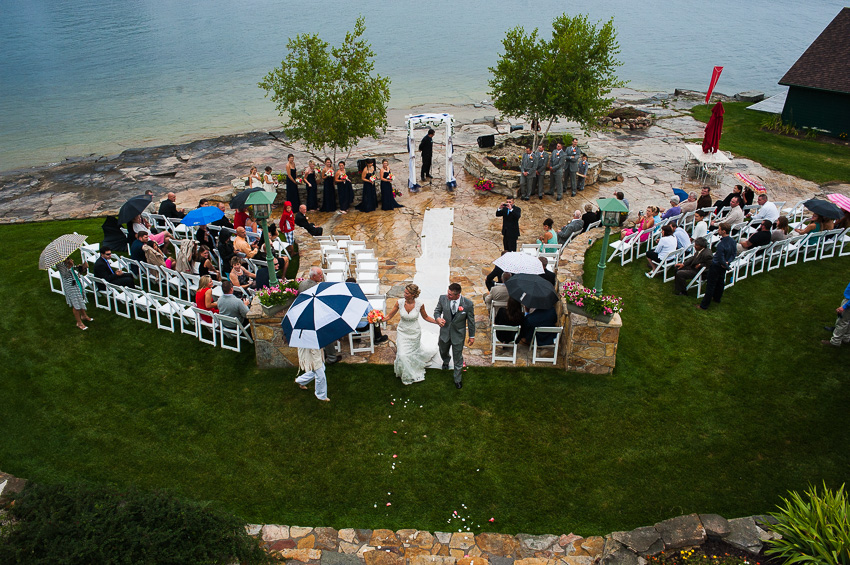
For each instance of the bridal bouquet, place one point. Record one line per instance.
(376, 317)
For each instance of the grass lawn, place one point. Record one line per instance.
(720, 411)
(804, 158)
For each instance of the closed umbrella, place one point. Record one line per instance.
(324, 313)
(711, 140)
(202, 216)
(823, 208)
(238, 201)
(532, 291)
(133, 208)
(514, 262)
(840, 200)
(60, 249)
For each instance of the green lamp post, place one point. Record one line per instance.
(262, 202)
(610, 208)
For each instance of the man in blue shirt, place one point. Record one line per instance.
(841, 333)
(723, 257)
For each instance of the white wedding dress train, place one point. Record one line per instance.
(413, 349)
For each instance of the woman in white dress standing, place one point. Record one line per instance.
(411, 354)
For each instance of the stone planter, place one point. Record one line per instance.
(604, 318)
(269, 311)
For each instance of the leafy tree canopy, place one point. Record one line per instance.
(567, 76)
(328, 95)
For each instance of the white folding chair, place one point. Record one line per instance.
(775, 254)
(495, 305)
(173, 283)
(154, 279)
(354, 246)
(595, 224)
(142, 304)
(698, 281)
(190, 283)
(121, 300)
(530, 248)
(830, 241)
(339, 238)
(202, 324)
(369, 285)
(334, 275)
(625, 248)
(55, 280)
(556, 332)
(323, 238)
(165, 312)
(510, 345)
(844, 240)
(366, 335)
(665, 265)
(228, 328)
(102, 294)
(186, 316)
(811, 250)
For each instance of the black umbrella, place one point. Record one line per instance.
(133, 208)
(823, 208)
(238, 201)
(532, 291)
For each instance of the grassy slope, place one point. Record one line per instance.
(707, 412)
(803, 158)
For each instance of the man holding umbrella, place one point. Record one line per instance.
(538, 297)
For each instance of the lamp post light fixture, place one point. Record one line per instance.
(262, 202)
(610, 208)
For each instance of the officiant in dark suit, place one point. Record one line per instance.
(510, 215)
(426, 146)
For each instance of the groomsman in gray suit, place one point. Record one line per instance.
(541, 161)
(455, 314)
(526, 172)
(556, 166)
(573, 154)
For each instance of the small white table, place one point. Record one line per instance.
(718, 158)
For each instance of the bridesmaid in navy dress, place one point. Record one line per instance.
(370, 196)
(344, 187)
(328, 189)
(387, 199)
(312, 186)
(291, 185)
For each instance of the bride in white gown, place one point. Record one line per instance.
(412, 355)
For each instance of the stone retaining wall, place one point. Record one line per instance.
(270, 345)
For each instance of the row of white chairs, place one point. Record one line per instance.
(535, 350)
(170, 312)
(343, 257)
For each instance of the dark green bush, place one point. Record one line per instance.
(88, 524)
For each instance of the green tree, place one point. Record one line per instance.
(567, 76)
(328, 97)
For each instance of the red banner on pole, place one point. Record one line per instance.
(715, 75)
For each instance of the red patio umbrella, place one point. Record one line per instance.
(713, 130)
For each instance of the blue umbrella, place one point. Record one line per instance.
(202, 216)
(681, 194)
(324, 313)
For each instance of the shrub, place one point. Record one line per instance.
(814, 531)
(94, 524)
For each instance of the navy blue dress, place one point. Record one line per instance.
(387, 199)
(328, 194)
(312, 191)
(346, 194)
(292, 191)
(369, 203)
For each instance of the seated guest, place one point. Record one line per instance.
(574, 227)
(202, 263)
(364, 324)
(241, 219)
(498, 293)
(494, 276)
(683, 240)
(817, 223)
(666, 245)
(154, 256)
(737, 190)
(749, 196)
(768, 210)
(140, 223)
(690, 204)
(546, 274)
(735, 215)
(169, 209)
(240, 276)
(781, 229)
(704, 201)
(511, 315)
(646, 223)
(688, 269)
(230, 305)
(760, 238)
(241, 245)
(103, 270)
(261, 277)
(225, 251)
(700, 224)
(622, 198)
(203, 202)
(548, 239)
(588, 217)
(538, 319)
(843, 222)
(303, 221)
(673, 210)
(224, 221)
(137, 250)
(204, 297)
(204, 237)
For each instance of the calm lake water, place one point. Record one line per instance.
(100, 76)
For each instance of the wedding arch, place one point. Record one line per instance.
(432, 121)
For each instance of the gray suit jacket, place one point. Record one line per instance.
(456, 326)
(556, 159)
(540, 162)
(305, 284)
(573, 154)
(527, 164)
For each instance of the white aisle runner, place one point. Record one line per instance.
(432, 268)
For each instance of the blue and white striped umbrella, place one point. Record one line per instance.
(324, 313)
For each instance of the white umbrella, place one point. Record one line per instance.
(324, 313)
(60, 249)
(515, 263)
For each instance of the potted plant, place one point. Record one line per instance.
(276, 298)
(585, 301)
(483, 184)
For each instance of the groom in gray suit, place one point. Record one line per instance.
(454, 313)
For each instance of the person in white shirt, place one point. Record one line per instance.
(666, 245)
(700, 225)
(683, 240)
(767, 211)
